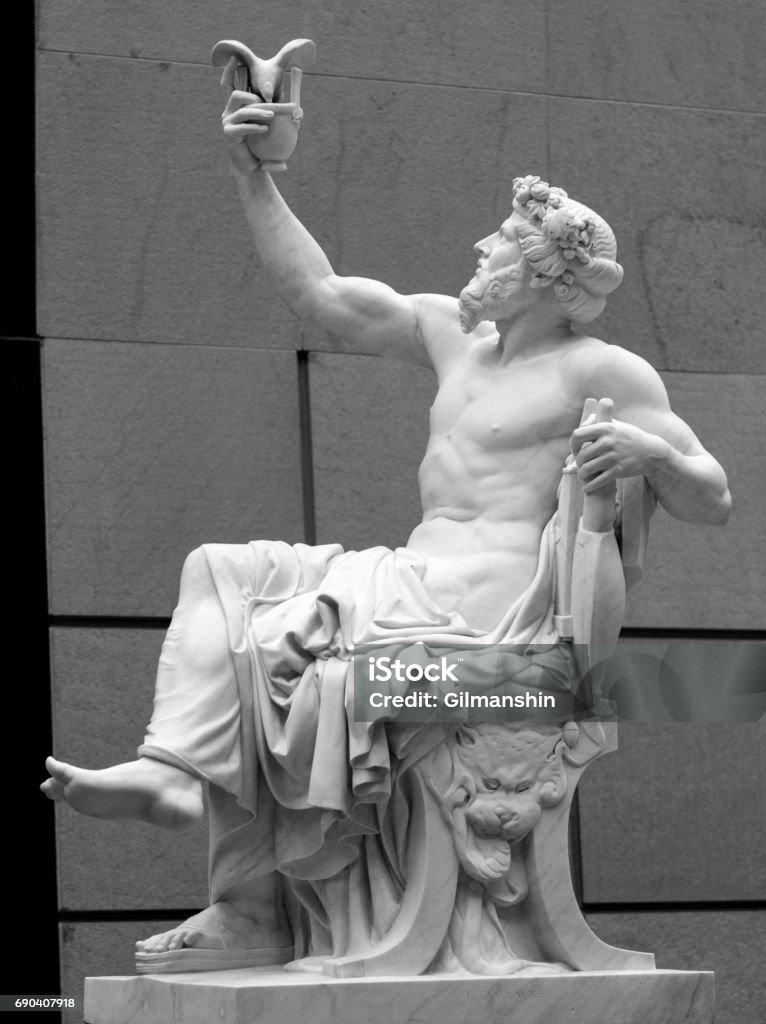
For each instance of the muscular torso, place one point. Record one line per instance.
(499, 436)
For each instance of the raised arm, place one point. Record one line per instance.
(365, 316)
(646, 438)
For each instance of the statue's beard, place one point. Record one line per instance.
(485, 295)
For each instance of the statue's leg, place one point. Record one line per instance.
(196, 717)
(196, 725)
(431, 871)
(146, 790)
(193, 734)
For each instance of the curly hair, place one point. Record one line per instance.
(503, 738)
(568, 246)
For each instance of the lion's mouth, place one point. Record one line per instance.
(489, 856)
(510, 833)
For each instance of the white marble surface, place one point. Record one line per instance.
(266, 997)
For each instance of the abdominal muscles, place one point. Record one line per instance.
(469, 573)
(488, 486)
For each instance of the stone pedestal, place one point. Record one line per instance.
(263, 996)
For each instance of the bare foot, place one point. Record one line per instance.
(220, 926)
(145, 789)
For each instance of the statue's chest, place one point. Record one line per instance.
(505, 410)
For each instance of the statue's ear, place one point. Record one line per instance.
(584, 741)
(554, 778)
(554, 789)
(466, 739)
(465, 736)
(460, 793)
(540, 281)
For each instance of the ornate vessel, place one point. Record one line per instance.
(277, 82)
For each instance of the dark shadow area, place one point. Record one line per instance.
(30, 964)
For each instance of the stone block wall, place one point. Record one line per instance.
(183, 404)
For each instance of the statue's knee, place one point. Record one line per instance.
(195, 574)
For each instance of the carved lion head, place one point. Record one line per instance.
(503, 776)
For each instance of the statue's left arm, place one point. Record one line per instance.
(646, 438)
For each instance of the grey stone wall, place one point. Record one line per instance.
(172, 392)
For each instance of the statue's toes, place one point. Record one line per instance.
(59, 770)
(164, 942)
(155, 943)
(52, 789)
(184, 937)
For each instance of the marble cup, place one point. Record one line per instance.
(277, 83)
(276, 146)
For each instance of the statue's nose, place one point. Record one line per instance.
(505, 814)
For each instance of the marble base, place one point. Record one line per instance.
(263, 996)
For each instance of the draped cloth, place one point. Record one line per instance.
(296, 784)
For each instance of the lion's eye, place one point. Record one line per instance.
(490, 784)
(523, 787)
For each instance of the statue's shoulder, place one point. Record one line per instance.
(438, 318)
(582, 356)
(587, 353)
(612, 371)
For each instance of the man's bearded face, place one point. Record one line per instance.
(489, 295)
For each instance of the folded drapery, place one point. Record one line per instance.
(269, 720)
(254, 695)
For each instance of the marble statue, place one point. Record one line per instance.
(370, 848)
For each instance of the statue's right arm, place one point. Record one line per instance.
(361, 315)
